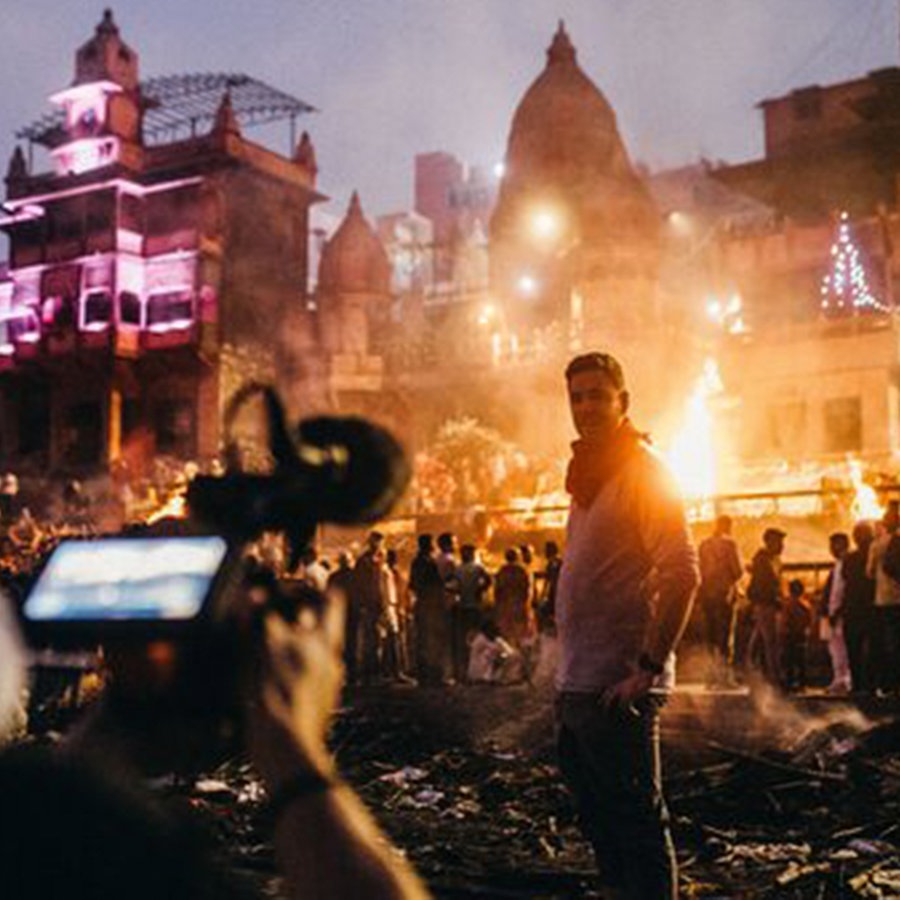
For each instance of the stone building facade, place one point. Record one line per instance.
(810, 379)
(145, 280)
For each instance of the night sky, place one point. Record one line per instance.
(395, 78)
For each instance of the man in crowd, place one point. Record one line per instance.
(626, 530)
(369, 587)
(404, 611)
(884, 569)
(545, 603)
(765, 594)
(512, 600)
(473, 582)
(798, 617)
(720, 571)
(833, 601)
(312, 570)
(430, 614)
(859, 602)
(340, 582)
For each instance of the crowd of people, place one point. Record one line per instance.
(445, 619)
(754, 618)
(617, 610)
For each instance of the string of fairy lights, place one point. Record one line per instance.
(845, 287)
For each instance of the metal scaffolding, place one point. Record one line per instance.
(181, 106)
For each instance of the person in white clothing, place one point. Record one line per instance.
(834, 594)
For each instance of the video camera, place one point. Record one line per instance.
(173, 609)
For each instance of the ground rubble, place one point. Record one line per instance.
(817, 817)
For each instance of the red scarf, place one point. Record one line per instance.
(593, 464)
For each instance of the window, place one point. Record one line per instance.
(175, 425)
(129, 308)
(65, 220)
(131, 213)
(97, 311)
(787, 427)
(843, 425)
(24, 327)
(170, 309)
(83, 434)
(100, 220)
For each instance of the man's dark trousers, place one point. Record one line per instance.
(610, 762)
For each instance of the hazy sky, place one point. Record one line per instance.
(397, 77)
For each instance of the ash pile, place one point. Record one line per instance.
(464, 780)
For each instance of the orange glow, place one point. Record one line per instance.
(865, 500)
(174, 508)
(691, 453)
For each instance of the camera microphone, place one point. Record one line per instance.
(343, 470)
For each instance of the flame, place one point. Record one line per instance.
(691, 455)
(865, 500)
(174, 508)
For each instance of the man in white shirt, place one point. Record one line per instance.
(623, 598)
(835, 590)
(886, 614)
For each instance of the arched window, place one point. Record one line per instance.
(169, 310)
(24, 326)
(97, 312)
(129, 308)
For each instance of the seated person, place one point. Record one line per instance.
(493, 660)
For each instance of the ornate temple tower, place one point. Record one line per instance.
(102, 106)
(354, 276)
(574, 236)
(154, 267)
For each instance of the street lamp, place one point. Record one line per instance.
(527, 285)
(545, 225)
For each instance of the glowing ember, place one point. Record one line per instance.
(865, 500)
(174, 508)
(691, 454)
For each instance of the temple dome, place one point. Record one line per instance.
(561, 115)
(354, 260)
(565, 154)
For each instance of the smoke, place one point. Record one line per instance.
(792, 726)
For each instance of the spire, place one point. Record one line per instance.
(106, 57)
(305, 156)
(354, 260)
(107, 24)
(18, 168)
(561, 49)
(226, 122)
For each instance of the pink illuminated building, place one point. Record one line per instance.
(150, 267)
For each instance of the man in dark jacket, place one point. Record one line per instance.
(720, 571)
(859, 603)
(765, 593)
(430, 614)
(368, 587)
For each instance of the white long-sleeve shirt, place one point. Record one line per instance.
(627, 552)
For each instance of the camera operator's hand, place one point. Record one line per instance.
(299, 681)
(326, 843)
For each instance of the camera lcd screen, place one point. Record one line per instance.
(154, 578)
